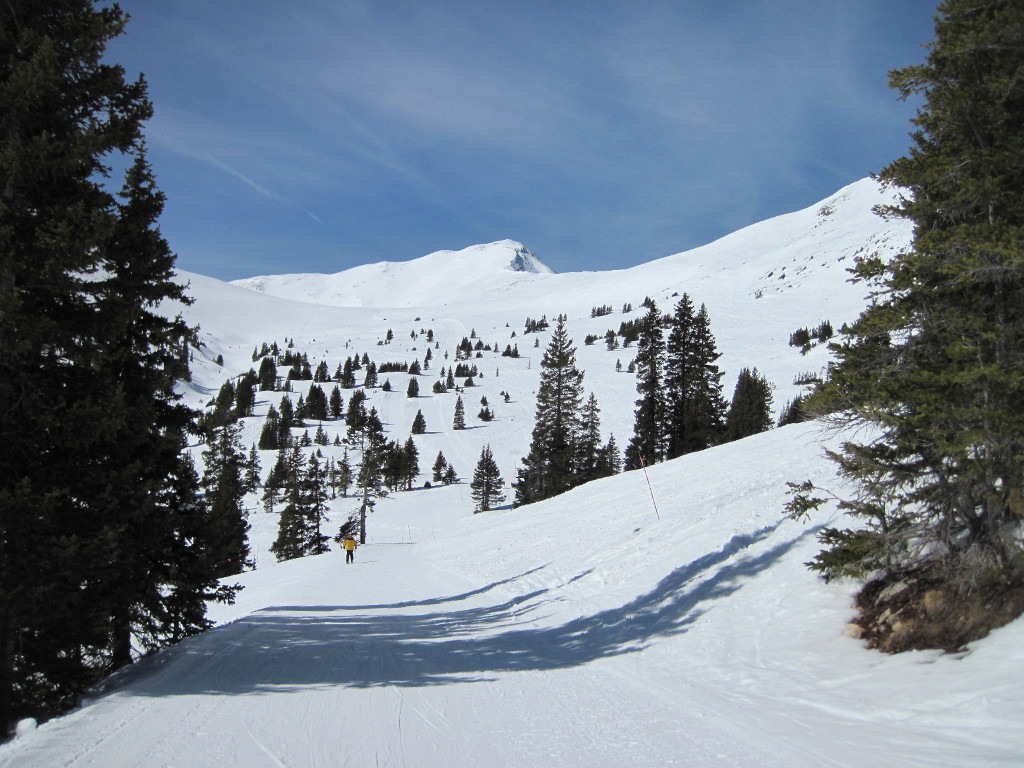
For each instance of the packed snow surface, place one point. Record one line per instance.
(661, 623)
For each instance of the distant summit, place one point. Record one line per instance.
(436, 278)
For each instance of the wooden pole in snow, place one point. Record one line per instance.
(650, 487)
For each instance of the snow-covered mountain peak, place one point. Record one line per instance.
(436, 278)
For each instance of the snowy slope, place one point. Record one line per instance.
(581, 631)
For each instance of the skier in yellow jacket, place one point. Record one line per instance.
(350, 549)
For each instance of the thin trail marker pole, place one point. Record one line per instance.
(650, 487)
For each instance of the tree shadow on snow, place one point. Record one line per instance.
(290, 647)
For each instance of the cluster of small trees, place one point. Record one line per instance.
(681, 407)
(805, 337)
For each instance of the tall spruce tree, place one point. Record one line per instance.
(751, 410)
(91, 481)
(695, 408)
(648, 443)
(459, 420)
(936, 365)
(223, 493)
(366, 435)
(486, 485)
(550, 467)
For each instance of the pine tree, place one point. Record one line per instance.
(648, 443)
(316, 404)
(316, 506)
(88, 369)
(251, 478)
(223, 491)
(293, 522)
(487, 483)
(267, 375)
(459, 421)
(440, 465)
(370, 379)
(245, 395)
(694, 408)
(751, 410)
(335, 402)
(272, 487)
(588, 459)
(270, 434)
(366, 435)
(934, 366)
(413, 390)
(550, 466)
(410, 464)
(419, 424)
(286, 421)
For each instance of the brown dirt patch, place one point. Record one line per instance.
(904, 612)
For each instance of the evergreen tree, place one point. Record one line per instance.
(340, 476)
(191, 583)
(588, 459)
(335, 403)
(459, 421)
(413, 390)
(267, 375)
(934, 366)
(224, 489)
(245, 395)
(370, 380)
(316, 404)
(419, 424)
(320, 438)
(366, 436)
(550, 466)
(487, 483)
(251, 478)
(355, 414)
(293, 522)
(286, 421)
(348, 376)
(274, 484)
(440, 465)
(648, 443)
(315, 506)
(88, 370)
(410, 464)
(695, 408)
(751, 408)
(270, 434)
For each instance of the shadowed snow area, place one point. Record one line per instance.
(571, 632)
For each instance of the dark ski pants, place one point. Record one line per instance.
(350, 556)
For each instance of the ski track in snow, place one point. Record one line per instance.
(581, 631)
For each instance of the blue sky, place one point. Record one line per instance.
(313, 136)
